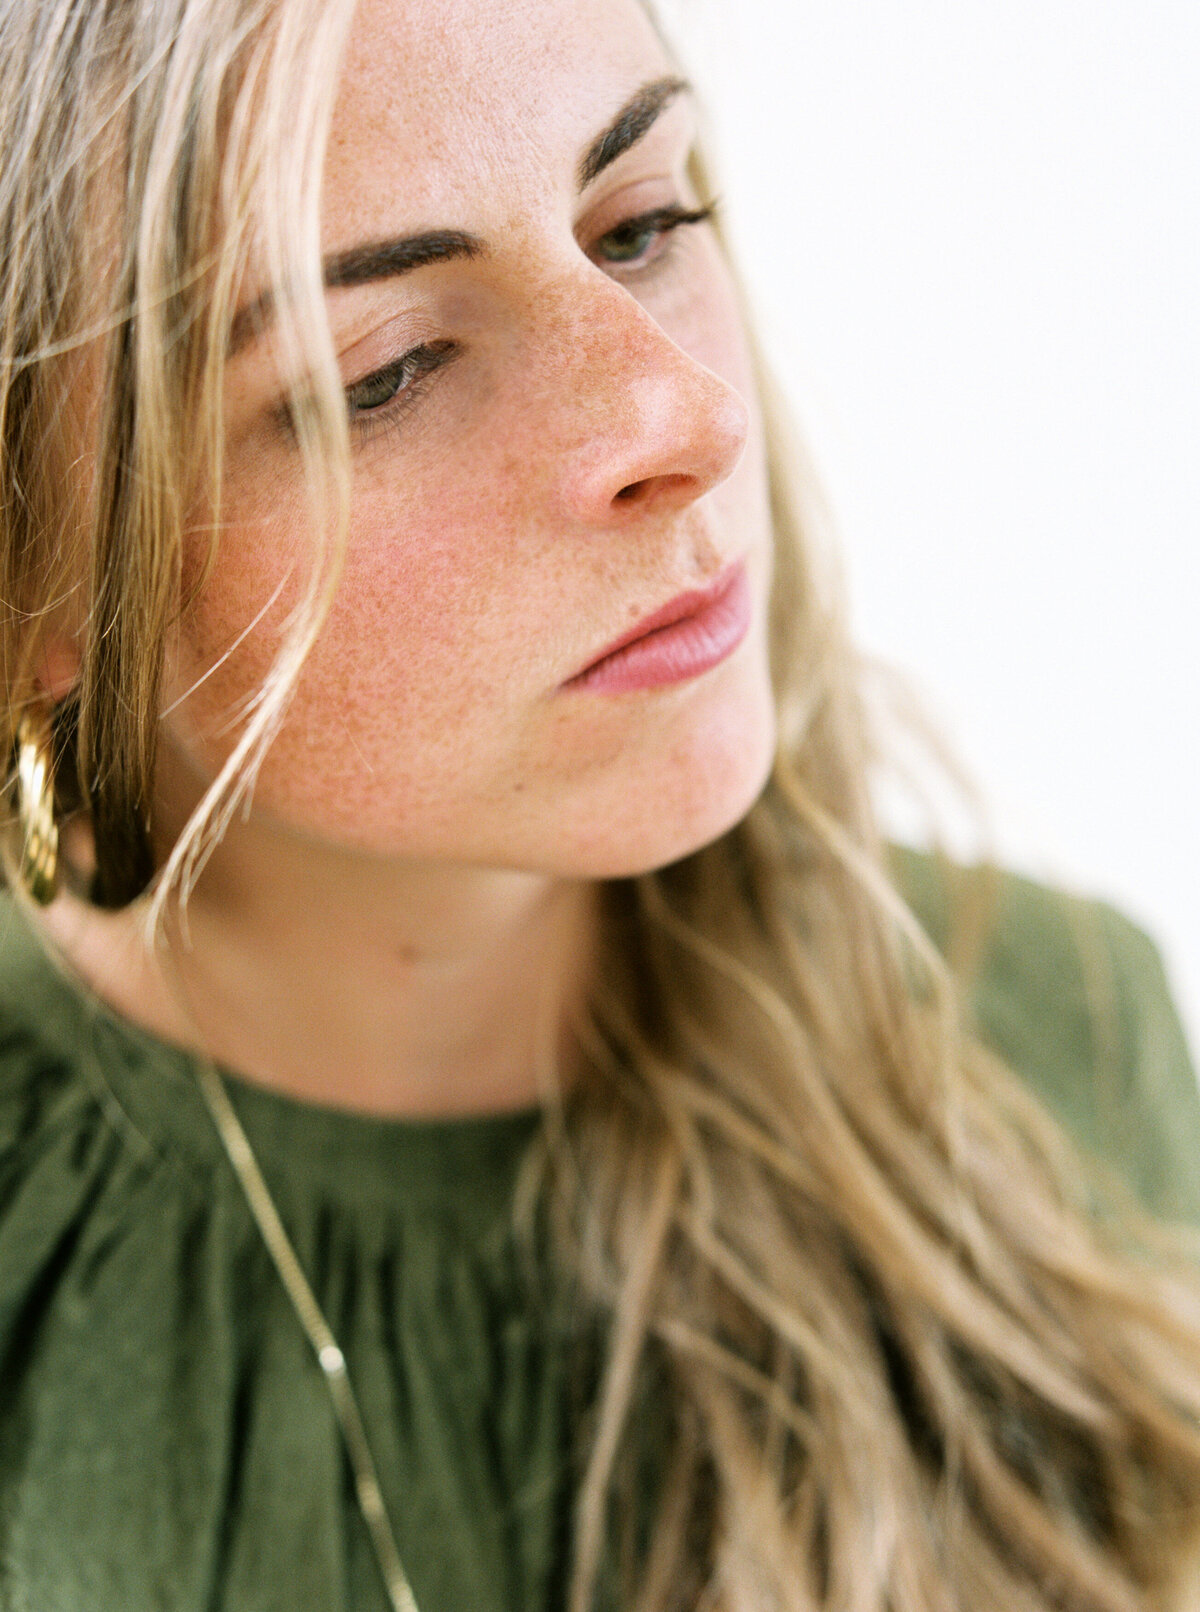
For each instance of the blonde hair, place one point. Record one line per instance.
(904, 1363)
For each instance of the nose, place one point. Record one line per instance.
(640, 425)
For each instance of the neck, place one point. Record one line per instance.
(386, 987)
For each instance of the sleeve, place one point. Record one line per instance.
(1074, 997)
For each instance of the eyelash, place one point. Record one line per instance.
(403, 380)
(658, 225)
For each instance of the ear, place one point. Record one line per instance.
(57, 667)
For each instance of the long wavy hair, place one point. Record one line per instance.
(897, 1360)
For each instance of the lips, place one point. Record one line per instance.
(687, 636)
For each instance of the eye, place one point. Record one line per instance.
(400, 379)
(639, 240)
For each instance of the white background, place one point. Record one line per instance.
(971, 230)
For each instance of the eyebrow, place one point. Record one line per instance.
(631, 123)
(378, 260)
(388, 260)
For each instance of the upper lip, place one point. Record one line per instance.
(683, 605)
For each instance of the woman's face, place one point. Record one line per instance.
(554, 435)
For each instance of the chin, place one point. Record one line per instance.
(684, 803)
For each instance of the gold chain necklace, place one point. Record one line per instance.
(325, 1346)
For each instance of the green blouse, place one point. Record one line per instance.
(166, 1439)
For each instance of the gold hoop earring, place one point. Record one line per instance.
(35, 805)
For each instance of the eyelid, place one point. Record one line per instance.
(426, 358)
(636, 190)
(422, 356)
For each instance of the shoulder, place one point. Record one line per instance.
(41, 1089)
(1074, 997)
(73, 1164)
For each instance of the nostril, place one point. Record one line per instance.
(651, 486)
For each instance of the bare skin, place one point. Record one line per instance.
(404, 923)
(438, 998)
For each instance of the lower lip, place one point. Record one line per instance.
(681, 651)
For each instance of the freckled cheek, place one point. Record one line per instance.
(236, 602)
(440, 581)
(443, 582)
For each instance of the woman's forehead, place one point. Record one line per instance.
(441, 96)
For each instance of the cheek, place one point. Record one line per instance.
(445, 600)
(450, 593)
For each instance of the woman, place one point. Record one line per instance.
(606, 1200)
